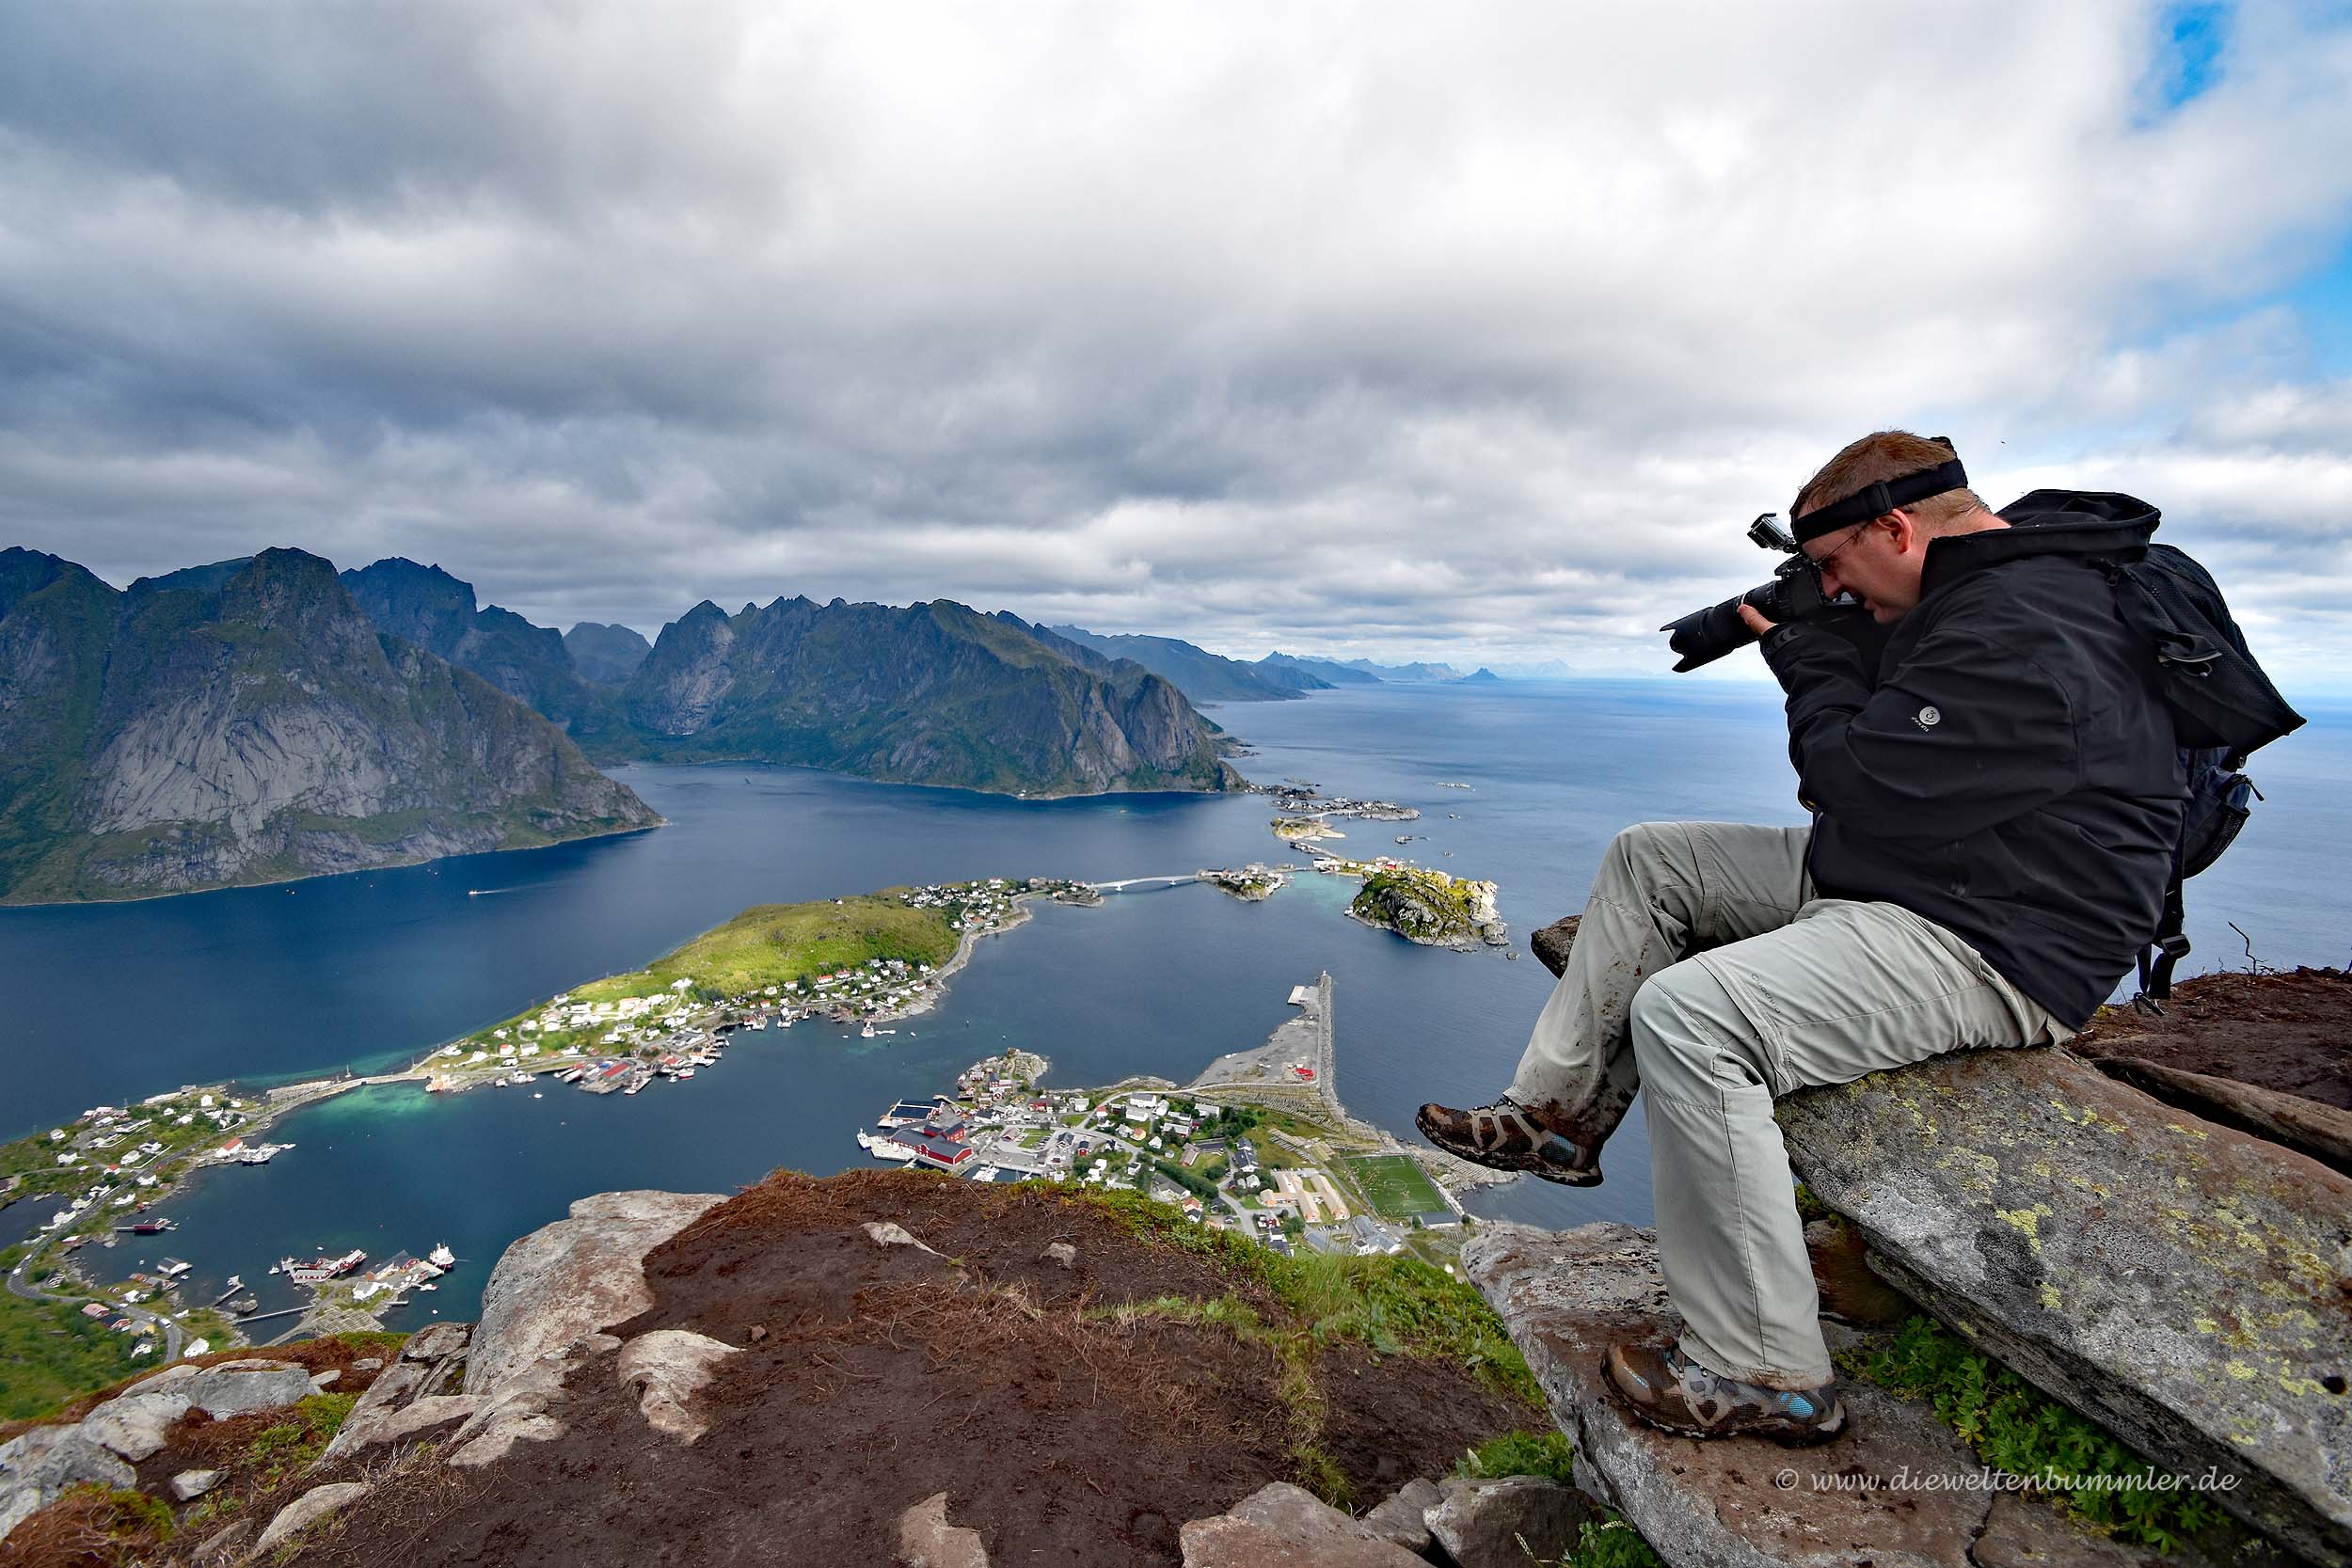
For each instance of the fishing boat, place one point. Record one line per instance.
(441, 1258)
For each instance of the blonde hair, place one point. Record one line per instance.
(1886, 454)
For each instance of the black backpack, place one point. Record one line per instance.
(2223, 710)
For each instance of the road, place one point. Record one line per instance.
(173, 1336)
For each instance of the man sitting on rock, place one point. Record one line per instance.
(1995, 809)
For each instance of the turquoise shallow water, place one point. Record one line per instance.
(121, 1001)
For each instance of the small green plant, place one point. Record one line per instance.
(283, 1446)
(1319, 1473)
(1611, 1543)
(128, 1517)
(326, 1413)
(1549, 1454)
(2014, 1427)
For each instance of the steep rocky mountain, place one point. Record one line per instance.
(1199, 674)
(247, 723)
(933, 693)
(607, 654)
(532, 664)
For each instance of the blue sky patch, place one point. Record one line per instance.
(2188, 58)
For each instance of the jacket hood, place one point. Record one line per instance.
(2082, 523)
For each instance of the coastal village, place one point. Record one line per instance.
(1293, 1174)
(1283, 1180)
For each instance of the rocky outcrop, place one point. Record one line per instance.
(1283, 1526)
(2306, 1126)
(135, 1427)
(306, 1511)
(1550, 944)
(2181, 1283)
(546, 1306)
(927, 1540)
(1743, 1502)
(240, 1387)
(250, 724)
(1502, 1521)
(38, 1464)
(667, 1367)
(1403, 1516)
(414, 1395)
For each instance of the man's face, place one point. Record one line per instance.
(1877, 562)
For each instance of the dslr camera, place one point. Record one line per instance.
(1795, 593)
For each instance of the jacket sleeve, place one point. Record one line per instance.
(1963, 733)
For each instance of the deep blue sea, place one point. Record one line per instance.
(118, 1001)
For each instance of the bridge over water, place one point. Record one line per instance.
(1168, 881)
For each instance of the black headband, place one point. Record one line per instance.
(1876, 500)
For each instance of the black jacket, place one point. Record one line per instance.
(2008, 772)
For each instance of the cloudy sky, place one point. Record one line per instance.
(1465, 332)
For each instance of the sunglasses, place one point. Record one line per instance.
(1860, 529)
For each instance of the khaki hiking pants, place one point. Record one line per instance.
(1706, 972)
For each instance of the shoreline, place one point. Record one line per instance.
(7, 904)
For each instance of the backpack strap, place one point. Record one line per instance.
(2156, 962)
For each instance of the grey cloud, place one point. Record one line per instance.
(1479, 337)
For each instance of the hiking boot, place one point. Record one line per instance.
(1668, 1389)
(1506, 1136)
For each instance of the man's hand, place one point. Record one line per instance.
(1754, 620)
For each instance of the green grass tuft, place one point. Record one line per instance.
(1549, 1454)
(1397, 1305)
(1613, 1543)
(1319, 1473)
(2014, 1427)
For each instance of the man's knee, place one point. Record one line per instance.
(1637, 854)
(1642, 840)
(1685, 1024)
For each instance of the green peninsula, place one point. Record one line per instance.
(871, 958)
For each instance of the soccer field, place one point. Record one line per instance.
(1396, 1187)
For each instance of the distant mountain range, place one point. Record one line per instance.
(266, 717)
(246, 721)
(1204, 677)
(1207, 677)
(259, 719)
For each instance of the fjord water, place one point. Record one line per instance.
(116, 1002)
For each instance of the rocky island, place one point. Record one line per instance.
(1430, 907)
(1249, 883)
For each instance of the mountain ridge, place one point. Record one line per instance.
(247, 722)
